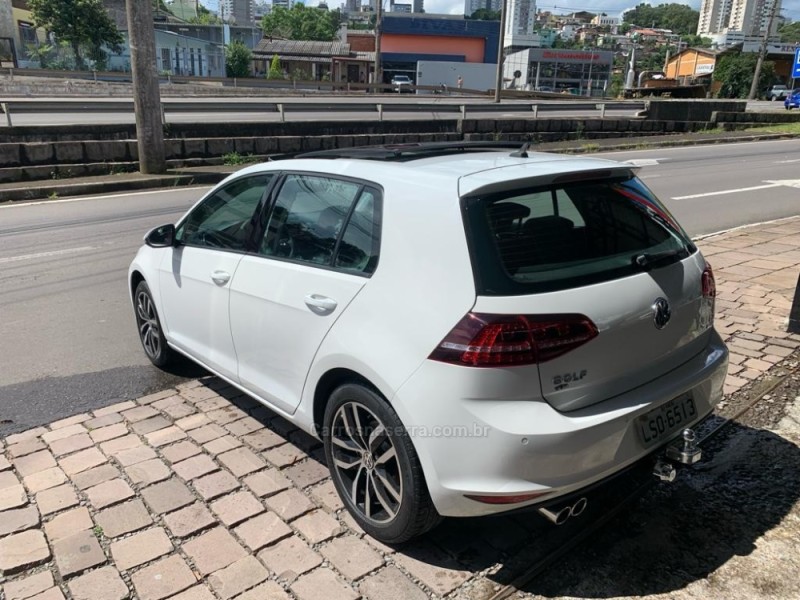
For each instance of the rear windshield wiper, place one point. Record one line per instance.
(646, 260)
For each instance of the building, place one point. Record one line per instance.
(585, 73)
(520, 21)
(401, 8)
(407, 39)
(470, 6)
(745, 17)
(237, 11)
(419, 6)
(315, 61)
(605, 21)
(282, 3)
(352, 6)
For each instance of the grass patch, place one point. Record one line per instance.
(234, 158)
(590, 147)
(777, 128)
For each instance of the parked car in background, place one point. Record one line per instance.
(468, 329)
(776, 92)
(402, 83)
(792, 99)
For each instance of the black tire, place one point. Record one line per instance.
(393, 516)
(148, 324)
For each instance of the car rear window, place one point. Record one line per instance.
(536, 239)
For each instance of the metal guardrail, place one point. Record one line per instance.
(16, 107)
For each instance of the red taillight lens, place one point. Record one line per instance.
(709, 285)
(513, 499)
(483, 340)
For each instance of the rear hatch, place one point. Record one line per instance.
(611, 291)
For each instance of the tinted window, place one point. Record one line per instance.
(308, 217)
(358, 248)
(226, 218)
(544, 239)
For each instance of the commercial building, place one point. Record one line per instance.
(407, 39)
(570, 71)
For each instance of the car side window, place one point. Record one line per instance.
(308, 217)
(358, 249)
(225, 219)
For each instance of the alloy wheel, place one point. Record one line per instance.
(365, 461)
(149, 330)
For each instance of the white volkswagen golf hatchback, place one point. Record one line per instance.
(468, 330)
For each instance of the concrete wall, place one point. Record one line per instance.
(691, 110)
(34, 153)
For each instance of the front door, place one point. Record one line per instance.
(195, 276)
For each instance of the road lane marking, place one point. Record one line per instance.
(645, 162)
(164, 190)
(786, 162)
(723, 192)
(768, 183)
(10, 259)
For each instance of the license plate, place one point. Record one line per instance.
(665, 420)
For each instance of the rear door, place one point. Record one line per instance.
(318, 250)
(606, 250)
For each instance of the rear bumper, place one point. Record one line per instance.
(469, 442)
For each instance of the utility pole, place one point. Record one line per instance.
(500, 47)
(146, 95)
(762, 52)
(378, 24)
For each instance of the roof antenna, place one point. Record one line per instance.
(522, 152)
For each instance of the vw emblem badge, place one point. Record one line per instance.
(661, 313)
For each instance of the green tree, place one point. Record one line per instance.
(790, 33)
(301, 23)
(696, 41)
(238, 60)
(484, 14)
(735, 72)
(678, 18)
(84, 24)
(275, 71)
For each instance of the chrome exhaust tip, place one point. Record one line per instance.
(578, 508)
(559, 517)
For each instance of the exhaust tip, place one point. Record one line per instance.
(578, 508)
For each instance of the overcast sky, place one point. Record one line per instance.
(791, 8)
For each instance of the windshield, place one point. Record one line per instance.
(562, 236)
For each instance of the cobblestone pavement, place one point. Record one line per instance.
(199, 492)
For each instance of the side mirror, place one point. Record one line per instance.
(161, 237)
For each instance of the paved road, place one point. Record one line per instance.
(715, 188)
(67, 339)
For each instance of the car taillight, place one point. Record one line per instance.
(709, 285)
(484, 340)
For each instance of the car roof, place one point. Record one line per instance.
(470, 172)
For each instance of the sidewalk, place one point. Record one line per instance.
(199, 492)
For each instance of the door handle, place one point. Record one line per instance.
(321, 305)
(220, 277)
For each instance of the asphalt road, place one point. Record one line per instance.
(67, 338)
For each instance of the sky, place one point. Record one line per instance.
(790, 9)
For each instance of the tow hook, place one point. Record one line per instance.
(683, 451)
(686, 453)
